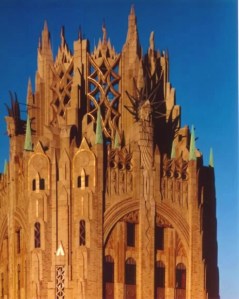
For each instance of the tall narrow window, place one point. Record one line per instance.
(79, 181)
(86, 181)
(34, 184)
(18, 241)
(19, 281)
(42, 184)
(159, 280)
(2, 285)
(130, 279)
(108, 277)
(181, 276)
(159, 238)
(37, 235)
(130, 271)
(130, 234)
(82, 233)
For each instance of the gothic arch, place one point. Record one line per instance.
(121, 208)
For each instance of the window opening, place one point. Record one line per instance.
(160, 275)
(159, 238)
(87, 181)
(37, 235)
(18, 236)
(130, 271)
(109, 269)
(130, 234)
(42, 184)
(181, 276)
(82, 233)
(34, 184)
(79, 181)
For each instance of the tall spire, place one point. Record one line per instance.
(45, 42)
(211, 158)
(28, 136)
(192, 150)
(29, 91)
(132, 35)
(99, 135)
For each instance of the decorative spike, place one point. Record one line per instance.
(192, 151)
(62, 36)
(117, 140)
(211, 158)
(104, 39)
(151, 41)
(45, 26)
(99, 135)
(29, 90)
(173, 151)
(132, 11)
(5, 167)
(28, 136)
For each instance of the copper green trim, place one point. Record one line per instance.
(28, 136)
(211, 158)
(116, 141)
(173, 152)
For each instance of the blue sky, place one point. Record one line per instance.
(201, 37)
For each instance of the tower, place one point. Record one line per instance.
(105, 195)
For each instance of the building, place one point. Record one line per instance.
(105, 195)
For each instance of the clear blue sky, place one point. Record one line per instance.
(201, 37)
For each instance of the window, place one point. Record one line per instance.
(109, 269)
(181, 276)
(18, 241)
(34, 185)
(160, 275)
(19, 281)
(42, 184)
(79, 181)
(130, 234)
(2, 285)
(37, 235)
(130, 271)
(159, 238)
(82, 233)
(86, 181)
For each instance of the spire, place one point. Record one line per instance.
(5, 167)
(45, 43)
(173, 152)
(28, 136)
(99, 135)
(104, 39)
(62, 36)
(132, 35)
(211, 158)
(192, 150)
(116, 141)
(29, 91)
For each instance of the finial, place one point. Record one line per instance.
(28, 136)
(80, 37)
(104, 33)
(192, 150)
(116, 141)
(173, 152)
(99, 135)
(45, 26)
(211, 158)
(151, 41)
(132, 10)
(62, 35)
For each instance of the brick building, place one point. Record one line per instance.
(105, 195)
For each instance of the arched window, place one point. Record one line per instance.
(130, 278)
(37, 235)
(33, 184)
(82, 233)
(160, 280)
(42, 184)
(181, 276)
(180, 281)
(130, 271)
(108, 277)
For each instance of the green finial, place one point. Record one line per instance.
(173, 152)
(192, 151)
(28, 136)
(5, 167)
(211, 158)
(117, 141)
(99, 135)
